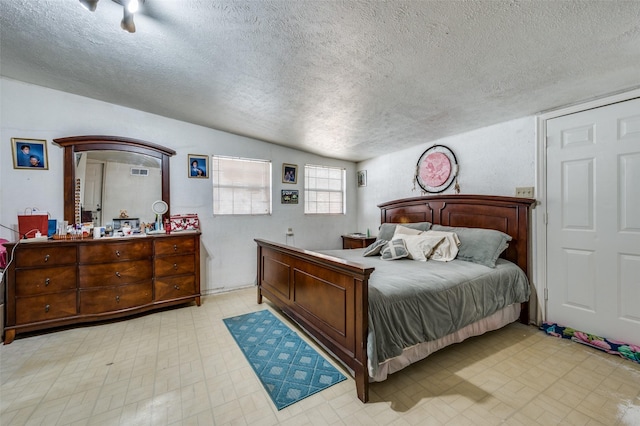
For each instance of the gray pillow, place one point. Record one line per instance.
(478, 245)
(395, 249)
(374, 248)
(387, 230)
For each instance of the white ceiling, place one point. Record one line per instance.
(345, 79)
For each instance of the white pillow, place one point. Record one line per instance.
(421, 246)
(447, 249)
(403, 230)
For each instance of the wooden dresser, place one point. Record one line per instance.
(60, 283)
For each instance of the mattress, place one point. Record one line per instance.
(412, 302)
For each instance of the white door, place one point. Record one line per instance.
(593, 232)
(93, 190)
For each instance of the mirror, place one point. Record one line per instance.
(106, 182)
(105, 175)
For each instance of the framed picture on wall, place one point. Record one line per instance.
(289, 196)
(29, 154)
(198, 166)
(362, 178)
(289, 173)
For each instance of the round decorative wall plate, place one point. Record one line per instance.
(437, 168)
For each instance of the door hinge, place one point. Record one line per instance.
(546, 294)
(545, 218)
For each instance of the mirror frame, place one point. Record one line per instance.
(75, 144)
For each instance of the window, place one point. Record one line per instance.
(324, 190)
(241, 186)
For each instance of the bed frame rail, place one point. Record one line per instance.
(328, 296)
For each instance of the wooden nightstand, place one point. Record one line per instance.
(353, 242)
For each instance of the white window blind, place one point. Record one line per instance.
(241, 186)
(324, 190)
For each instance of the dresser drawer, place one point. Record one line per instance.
(111, 252)
(31, 282)
(45, 307)
(175, 287)
(111, 299)
(116, 273)
(66, 282)
(51, 255)
(175, 265)
(175, 245)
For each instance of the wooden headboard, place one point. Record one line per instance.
(506, 214)
(328, 297)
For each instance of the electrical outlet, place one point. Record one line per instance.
(524, 191)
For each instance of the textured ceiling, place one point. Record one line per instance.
(345, 79)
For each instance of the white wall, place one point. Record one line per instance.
(492, 160)
(227, 247)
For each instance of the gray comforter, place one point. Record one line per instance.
(411, 302)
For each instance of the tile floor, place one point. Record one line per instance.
(181, 367)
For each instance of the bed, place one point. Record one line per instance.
(327, 293)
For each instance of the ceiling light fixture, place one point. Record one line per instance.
(129, 7)
(90, 5)
(133, 6)
(127, 23)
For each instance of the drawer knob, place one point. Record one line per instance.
(46, 308)
(118, 274)
(47, 281)
(46, 257)
(175, 266)
(175, 247)
(117, 253)
(177, 287)
(117, 299)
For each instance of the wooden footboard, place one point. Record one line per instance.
(328, 296)
(325, 295)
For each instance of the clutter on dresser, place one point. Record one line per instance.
(184, 222)
(33, 222)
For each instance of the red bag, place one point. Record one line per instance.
(29, 224)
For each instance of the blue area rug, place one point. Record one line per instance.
(289, 369)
